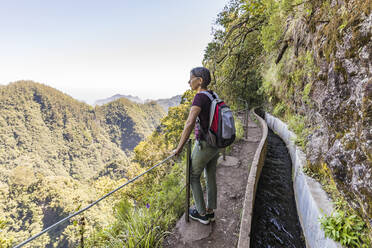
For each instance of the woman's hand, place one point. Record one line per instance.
(177, 152)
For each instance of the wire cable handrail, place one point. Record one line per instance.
(92, 204)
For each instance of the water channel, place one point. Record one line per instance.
(275, 221)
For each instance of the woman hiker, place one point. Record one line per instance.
(204, 157)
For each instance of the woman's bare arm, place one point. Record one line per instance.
(189, 126)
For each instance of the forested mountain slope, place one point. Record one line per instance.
(127, 123)
(51, 132)
(57, 152)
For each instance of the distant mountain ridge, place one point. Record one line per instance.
(135, 99)
(169, 102)
(165, 103)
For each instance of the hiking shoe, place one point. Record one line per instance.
(210, 216)
(193, 213)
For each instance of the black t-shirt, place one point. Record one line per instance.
(201, 100)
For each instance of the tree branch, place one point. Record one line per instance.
(235, 27)
(247, 31)
(282, 51)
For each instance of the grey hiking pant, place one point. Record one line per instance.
(204, 157)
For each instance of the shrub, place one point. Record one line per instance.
(344, 228)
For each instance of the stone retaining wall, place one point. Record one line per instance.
(250, 192)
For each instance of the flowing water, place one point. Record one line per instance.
(275, 221)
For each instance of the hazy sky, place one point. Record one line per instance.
(95, 49)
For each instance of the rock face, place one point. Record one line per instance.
(343, 139)
(327, 72)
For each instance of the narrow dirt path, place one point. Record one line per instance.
(232, 177)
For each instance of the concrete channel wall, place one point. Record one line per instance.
(311, 200)
(250, 192)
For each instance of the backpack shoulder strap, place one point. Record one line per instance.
(210, 96)
(214, 100)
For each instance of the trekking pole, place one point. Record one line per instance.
(188, 168)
